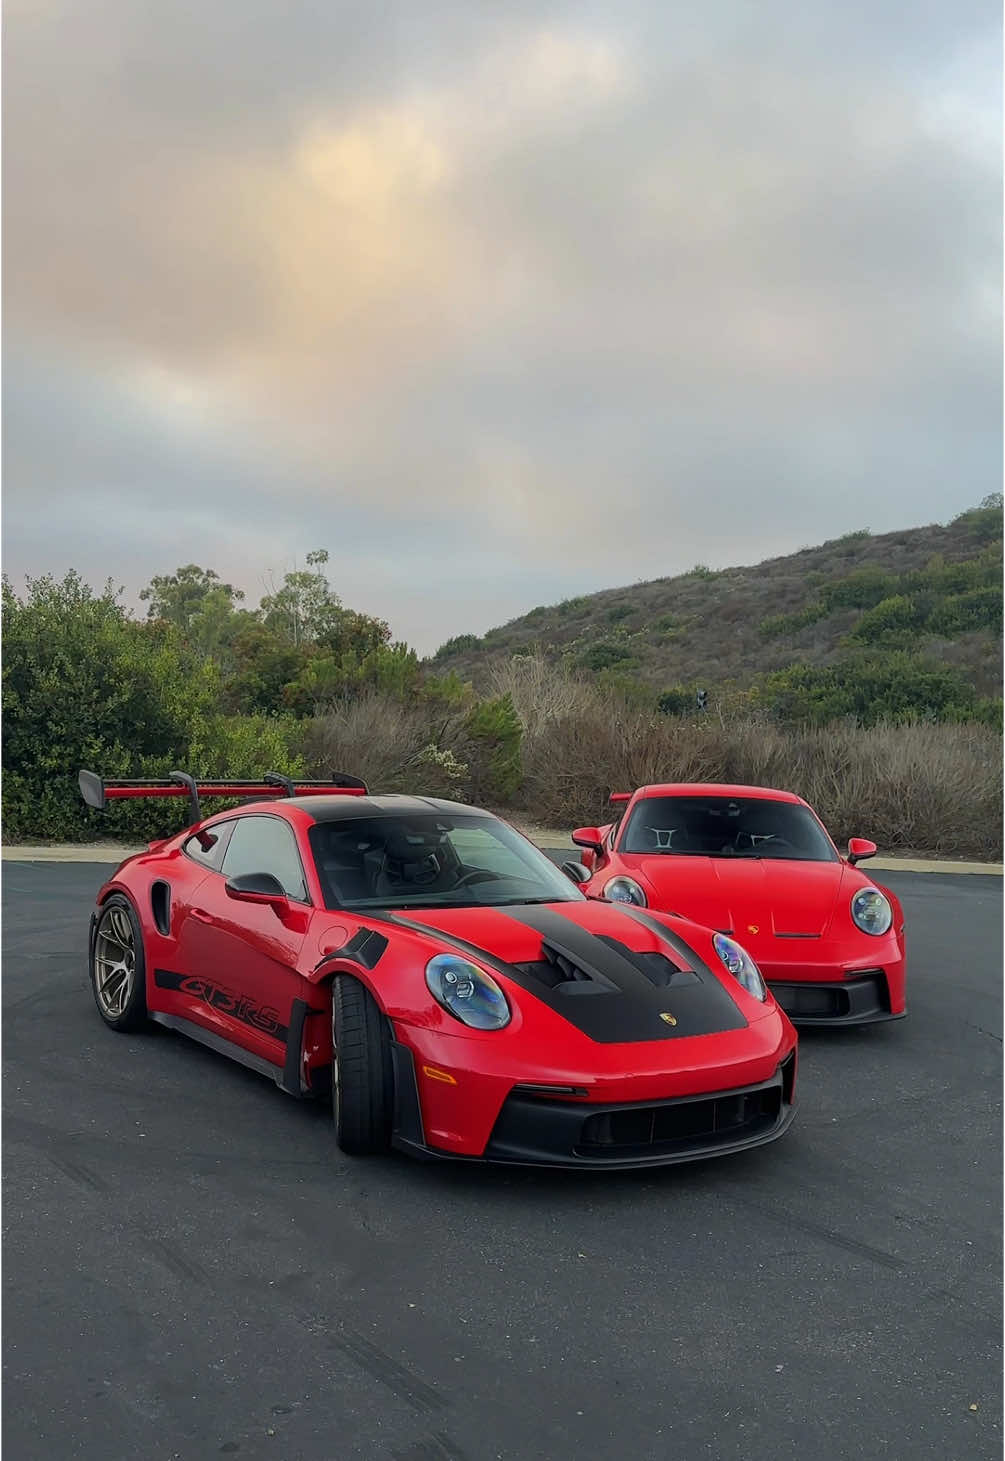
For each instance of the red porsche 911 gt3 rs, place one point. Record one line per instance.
(429, 969)
(758, 865)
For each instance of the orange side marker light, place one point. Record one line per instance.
(438, 1075)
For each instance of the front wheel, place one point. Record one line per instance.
(362, 1072)
(118, 967)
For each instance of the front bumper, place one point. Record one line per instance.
(535, 1130)
(861, 1000)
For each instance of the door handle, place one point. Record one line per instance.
(202, 917)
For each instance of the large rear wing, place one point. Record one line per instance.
(97, 792)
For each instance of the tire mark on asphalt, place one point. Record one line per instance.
(397, 1377)
(176, 1262)
(78, 1173)
(819, 1230)
(435, 1447)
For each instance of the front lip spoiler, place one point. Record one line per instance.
(605, 1164)
(838, 1022)
(408, 1135)
(867, 996)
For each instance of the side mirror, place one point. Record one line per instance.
(577, 872)
(588, 837)
(859, 848)
(258, 888)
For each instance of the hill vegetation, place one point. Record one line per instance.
(873, 627)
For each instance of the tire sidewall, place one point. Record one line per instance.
(134, 1015)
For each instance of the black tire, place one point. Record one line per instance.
(121, 1000)
(362, 1072)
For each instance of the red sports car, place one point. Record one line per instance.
(427, 968)
(758, 865)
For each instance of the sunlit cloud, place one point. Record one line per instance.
(517, 301)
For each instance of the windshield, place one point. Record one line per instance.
(719, 826)
(437, 860)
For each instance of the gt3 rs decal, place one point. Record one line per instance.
(238, 1006)
(601, 989)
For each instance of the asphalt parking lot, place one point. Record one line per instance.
(192, 1269)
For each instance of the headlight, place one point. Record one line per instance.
(871, 911)
(740, 965)
(624, 890)
(467, 992)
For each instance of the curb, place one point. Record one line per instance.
(106, 852)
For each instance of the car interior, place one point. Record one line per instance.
(725, 828)
(385, 860)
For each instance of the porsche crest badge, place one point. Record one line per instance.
(753, 928)
(668, 1017)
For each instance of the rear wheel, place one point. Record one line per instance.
(362, 1072)
(118, 968)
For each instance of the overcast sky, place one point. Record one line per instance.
(497, 302)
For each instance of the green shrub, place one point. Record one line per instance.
(494, 730)
(571, 606)
(775, 625)
(860, 590)
(617, 612)
(678, 700)
(984, 522)
(605, 656)
(893, 616)
(460, 644)
(978, 608)
(891, 686)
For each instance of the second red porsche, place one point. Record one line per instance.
(758, 865)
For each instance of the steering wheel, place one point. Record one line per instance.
(476, 875)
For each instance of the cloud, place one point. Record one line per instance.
(539, 297)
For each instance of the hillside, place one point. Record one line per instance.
(934, 592)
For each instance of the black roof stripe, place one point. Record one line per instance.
(338, 808)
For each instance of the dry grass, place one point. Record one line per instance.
(393, 747)
(930, 788)
(926, 788)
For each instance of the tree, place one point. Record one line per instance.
(306, 606)
(264, 665)
(180, 597)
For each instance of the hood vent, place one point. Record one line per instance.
(578, 976)
(657, 968)
(558, 969)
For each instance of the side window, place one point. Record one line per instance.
(208, 846)
(266, 845)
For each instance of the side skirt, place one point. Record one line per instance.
(218, 1043)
